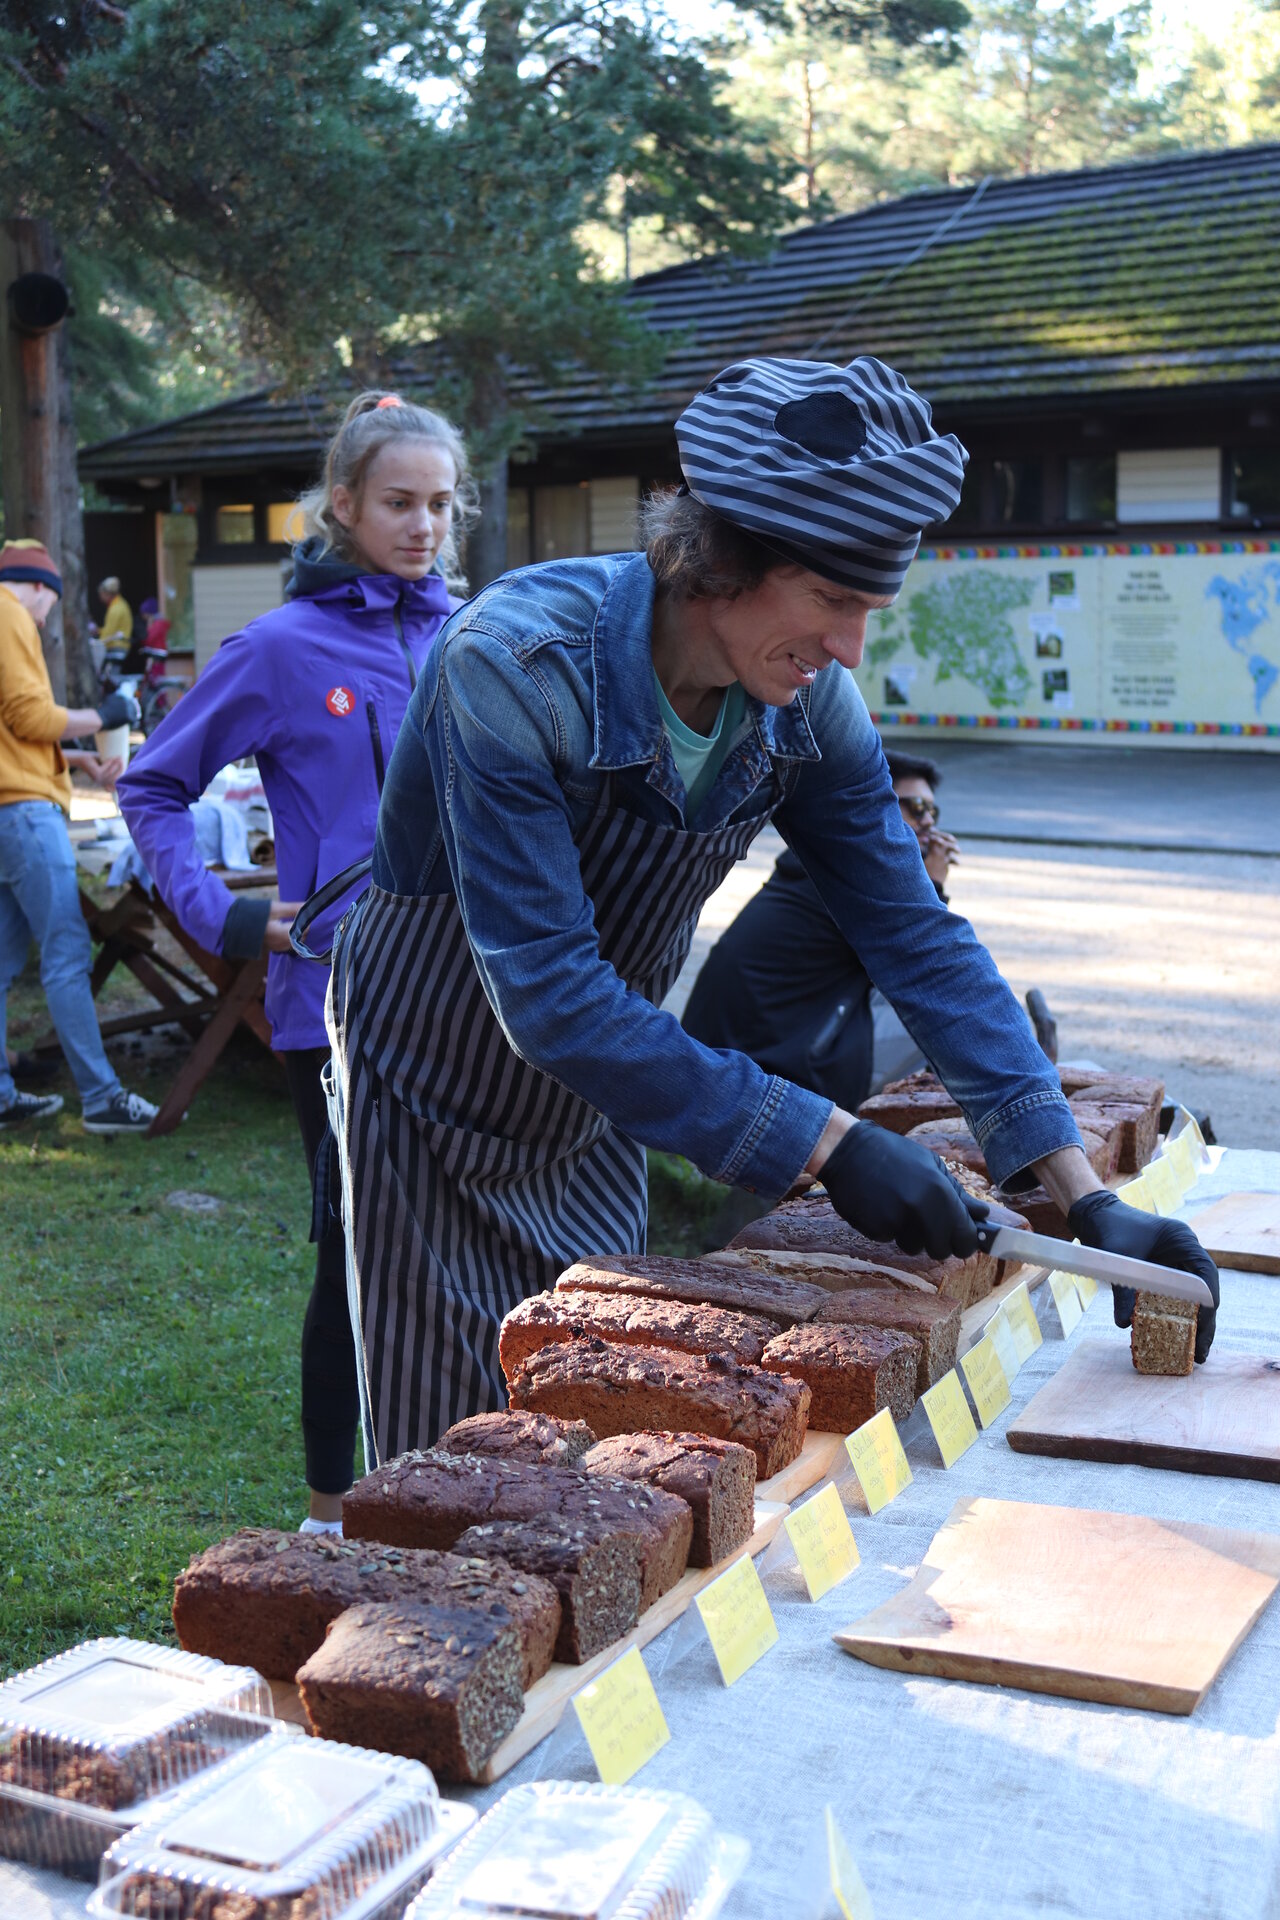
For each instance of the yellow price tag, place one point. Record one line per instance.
(736, 1616)
(1086, 1288)
(1184, 1157)
(1065, 1298)
(620, 1715)
(1000, 1334)
(950, 1418)
(823, 1540)
(1023, 1325)
(875, 1452)
(988, 1381)
(847, 1883)
(1162, 1185)
(1137, 1194)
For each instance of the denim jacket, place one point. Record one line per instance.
(537, 694)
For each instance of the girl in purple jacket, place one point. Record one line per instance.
(316, 691)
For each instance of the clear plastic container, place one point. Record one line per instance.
(91, 1740)
(298, 1830)
(559, 1850)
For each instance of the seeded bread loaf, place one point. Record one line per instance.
(833, 1272)
(531, 1437)
(595, 1571)
(432, 1498)
(546, 1318)
(716, 1477)
(926, 1318)
(811, 1225)
(634, 1389)
(1162, 1338)
(910, 1106)
(438, 1684)
(851, 1372)
(265, 1599)
(656, 1277)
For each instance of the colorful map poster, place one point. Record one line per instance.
(1180, 639)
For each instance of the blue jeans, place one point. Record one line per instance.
(39, 901)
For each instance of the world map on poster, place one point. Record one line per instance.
(962, 627)
(1247, 606)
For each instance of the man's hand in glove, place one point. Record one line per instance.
(1103, 1219)
(889, 1188)
(118, 709)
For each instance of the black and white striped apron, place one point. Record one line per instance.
(471, 1179)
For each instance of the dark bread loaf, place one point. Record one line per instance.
(594, 1569)
(716, 1477)
(926, 1318)
(438, 1684)
(1132, 1128)
(851, 1372)
(433, 1498)
(633, 1389)
(833, 1272)
(531, 1437)
(696, 1282)
(546, 1318)
(811, 1225)
(910, 1106)
(265, 1599)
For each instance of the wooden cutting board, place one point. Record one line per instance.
(1223, 1418)
(1113, 1607)
(1242, 1231)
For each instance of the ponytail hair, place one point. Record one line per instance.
(372, 421)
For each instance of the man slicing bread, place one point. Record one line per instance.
(593, 745)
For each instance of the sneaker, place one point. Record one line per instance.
(331, 1527)
(30, 1106)
(123, 1113)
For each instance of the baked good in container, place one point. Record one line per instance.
(716, 1477)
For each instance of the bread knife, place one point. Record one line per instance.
(1112, 1269)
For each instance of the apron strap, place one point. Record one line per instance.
(324, 897)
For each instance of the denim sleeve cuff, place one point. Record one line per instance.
(245, 929)
(1015, 1136)
(776, 1147)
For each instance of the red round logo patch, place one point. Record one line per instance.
(340, 700)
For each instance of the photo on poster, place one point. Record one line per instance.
(1055, 681)
(1063, 591)
(897, 689)
(1049, 646)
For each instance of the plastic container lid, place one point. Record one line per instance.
(559, 1850)
(114, 1723)
(289, 1820)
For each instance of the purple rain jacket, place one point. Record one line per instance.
(315, 690)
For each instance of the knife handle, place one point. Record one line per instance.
(986, 1231)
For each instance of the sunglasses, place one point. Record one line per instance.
(920, 810)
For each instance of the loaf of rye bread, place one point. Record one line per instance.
(546, 1318)
(430, 1499)
(952, 1140)
(833, 1272)
(851, 1372)
(908, 1104)
(437, 1684)
(926, 1318)
(594, 1569)
(633, 1389)
(1132, 1127)
(716, 1477)
(811, 1225)
(532, 1437)
(657, 1277)
(1162, 1338)
(264, 1599)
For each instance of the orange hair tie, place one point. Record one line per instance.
(388, 400)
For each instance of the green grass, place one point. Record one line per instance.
(149, 1356)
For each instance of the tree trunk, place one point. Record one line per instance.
(29, 408)
(487, 546)
(83, 689)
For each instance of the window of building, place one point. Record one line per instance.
(561, 522)
(1091, 488)
(518, 527)
(1017, 493)
(968, 514)
(284, 523)
(233, 526)
(1253, 484)
(1169, 485)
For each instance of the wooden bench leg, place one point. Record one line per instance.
(196, 1067)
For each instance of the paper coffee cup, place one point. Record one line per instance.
(113, 743)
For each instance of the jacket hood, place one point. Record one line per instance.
(317, 573)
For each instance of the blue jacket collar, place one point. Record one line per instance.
(628, 726)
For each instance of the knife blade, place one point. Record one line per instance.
(1112, 1269)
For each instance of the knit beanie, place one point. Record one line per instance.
(29, 560)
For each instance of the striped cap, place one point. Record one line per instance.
(837, 469)
(29, 560)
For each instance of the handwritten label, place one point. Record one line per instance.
(1086, 1288)
(823, 1540)
(1162, 1185)
(988, 1381)
(621, 1718)
(1024, 1326)
(736, 1616)
(1137, 1194)
(950, 1418)
(847, 1883)
(1000, 1334)
(1066, 1299)
(876, 1455)
(1184, 1157)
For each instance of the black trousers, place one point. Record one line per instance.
(330, 1394)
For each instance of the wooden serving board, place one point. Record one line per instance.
(1113, 1607)
(1242, 1231)
(813, 1463)
(1223, 1418)
(547, 1699)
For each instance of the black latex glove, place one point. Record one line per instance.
(119, 708)
(894, 1189)
(1103, 1219)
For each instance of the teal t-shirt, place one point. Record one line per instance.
(700, 756)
